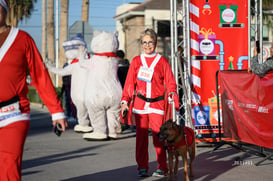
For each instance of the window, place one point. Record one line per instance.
(265, 32)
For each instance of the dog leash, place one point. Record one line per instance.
(185, 135)
(170, 113)
(166, 145)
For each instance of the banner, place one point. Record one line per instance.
(219, 41)
(247, 107)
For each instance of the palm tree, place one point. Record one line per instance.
(85, 10)
(50, 34)
(63, 27)
(19, 10)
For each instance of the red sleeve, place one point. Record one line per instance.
(130, 83)
(171, 84)
(41, 78)
(169, 78)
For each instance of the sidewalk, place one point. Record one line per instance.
(70, 158)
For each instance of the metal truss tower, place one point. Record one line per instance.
(180, 59)
(256, 13)
(181, 54)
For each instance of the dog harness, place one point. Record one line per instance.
(188, 139)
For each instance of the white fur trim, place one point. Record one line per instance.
(57, 116)
(21, 117)
(149, 84)
(149, 55)
(123, 102)
(148, 111)
(8, 42)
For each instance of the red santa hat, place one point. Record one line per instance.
(4, 4)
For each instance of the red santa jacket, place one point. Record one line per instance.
(17, 54)
(150, 78)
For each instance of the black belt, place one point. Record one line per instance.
(10, 101)
(159, 98)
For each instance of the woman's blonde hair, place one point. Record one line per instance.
(149, 32)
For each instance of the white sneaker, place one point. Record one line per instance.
(82, 129)
(113, 135)
(119, 129)
(95, 136)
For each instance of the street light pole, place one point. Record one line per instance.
(57, 40)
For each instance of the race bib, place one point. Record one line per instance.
(10, 111)
(145, 74)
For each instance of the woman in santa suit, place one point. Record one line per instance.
(18, 53)
(150, 79)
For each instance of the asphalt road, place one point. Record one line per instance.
(70, 158)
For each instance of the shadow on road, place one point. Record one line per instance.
(59, 157)
(122, 174)
(207, 166)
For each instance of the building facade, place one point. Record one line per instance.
(132, 19)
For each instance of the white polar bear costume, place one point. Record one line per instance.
(75, 48)
(103, 89)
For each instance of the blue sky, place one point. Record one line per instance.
(101, 14)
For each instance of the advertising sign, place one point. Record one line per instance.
(247, 107)
(219, 41)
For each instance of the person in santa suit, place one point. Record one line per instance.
(18, 54)
(148, 81)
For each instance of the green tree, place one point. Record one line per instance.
(18, 10)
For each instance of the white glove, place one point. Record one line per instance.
(49, 63)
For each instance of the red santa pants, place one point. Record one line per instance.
(142, 136)
(12, 139)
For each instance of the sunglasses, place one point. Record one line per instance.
(149, 43)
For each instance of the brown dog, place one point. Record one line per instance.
(179, 141)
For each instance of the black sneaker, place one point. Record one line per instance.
(159, 173)
(143, 173)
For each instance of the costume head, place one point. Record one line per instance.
(4, 4)
(75, 47)
(104, 41)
